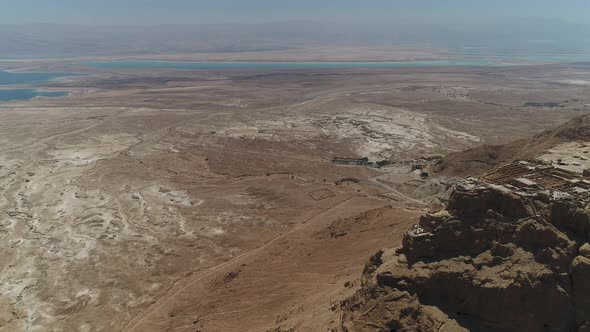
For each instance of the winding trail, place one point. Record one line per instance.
(172, 294)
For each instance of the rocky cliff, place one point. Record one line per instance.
(494, 260)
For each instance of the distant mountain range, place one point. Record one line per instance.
(43, 40)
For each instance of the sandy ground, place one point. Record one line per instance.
(184, 201)
(573, 156)
(294, 282)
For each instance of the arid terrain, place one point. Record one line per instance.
(194, 200)
(510, 251)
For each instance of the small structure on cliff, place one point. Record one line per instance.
(418, 232)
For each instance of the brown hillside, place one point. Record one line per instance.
(480, 159)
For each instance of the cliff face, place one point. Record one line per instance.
(493, 260)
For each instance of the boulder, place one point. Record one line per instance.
(532, 233)
(581, 287)
(476, 203)
(585, 250)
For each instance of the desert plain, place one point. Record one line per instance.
(207, 200)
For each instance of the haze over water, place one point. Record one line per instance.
(469, 57)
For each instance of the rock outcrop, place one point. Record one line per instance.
(494, 260)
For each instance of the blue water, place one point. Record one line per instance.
(280, 65)
(541, 56)
(27, 94)
(12, 78)
(9, 78)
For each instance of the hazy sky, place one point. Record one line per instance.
(134, 12)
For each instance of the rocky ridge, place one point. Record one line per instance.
(494, 260)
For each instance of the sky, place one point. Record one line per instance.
(153, 12)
